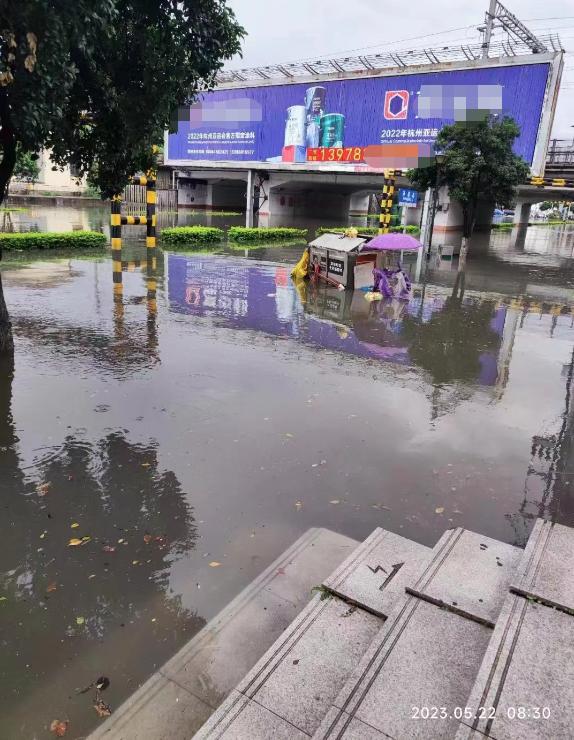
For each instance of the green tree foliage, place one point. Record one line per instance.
(26, 167)
(547, 205)
(477, 164)
(98, 80)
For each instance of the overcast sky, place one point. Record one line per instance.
(291, 30)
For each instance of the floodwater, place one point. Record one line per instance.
(195, 437)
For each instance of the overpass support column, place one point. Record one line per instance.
(249, 200)
(522, 213)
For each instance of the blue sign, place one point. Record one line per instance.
(292, 123)
(408, 197)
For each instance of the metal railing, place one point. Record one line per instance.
(560, 152)
(389, 59)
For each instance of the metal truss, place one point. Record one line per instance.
(515, 45)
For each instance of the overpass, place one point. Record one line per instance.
(246, 144)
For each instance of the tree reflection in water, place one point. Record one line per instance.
(71, 614)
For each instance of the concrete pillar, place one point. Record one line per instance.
(249, 200)
(522, 213)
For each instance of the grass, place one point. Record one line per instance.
(195, 236)
(12, 209)
(246, 235)
(52, 240)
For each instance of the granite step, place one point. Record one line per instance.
(546, 571)
(298, 678)
(176, 700)
(525, 685)
(374, 576)
(428, 652)
(469, 574)
(291, 688)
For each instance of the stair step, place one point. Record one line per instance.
(528, 664)
(423, 656)
(374, 576)
(468, 574)
(298, 678)
(545, 571)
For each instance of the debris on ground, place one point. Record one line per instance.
(103, 709)
(59, 727)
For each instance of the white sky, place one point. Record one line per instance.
(290, 30)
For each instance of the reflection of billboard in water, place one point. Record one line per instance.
(248, 295)
(335, 120)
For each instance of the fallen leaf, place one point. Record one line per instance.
(59, 727)
(108, 548)
(456, 511)
(43, 488)
(85, 540)
(102, 708)
(298, 504)
(335, 501)
(288, 434)
(146, 465)
(439, 510)
(80, 620)
(147, 538)
(3, 598)
(120, 541)
(214, 564)
(51, 587)
(135, 562)
(74, 542)
(75, 525)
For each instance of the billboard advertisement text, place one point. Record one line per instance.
(335, 121)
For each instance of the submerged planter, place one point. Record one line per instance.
(191, 235)
(53, 240)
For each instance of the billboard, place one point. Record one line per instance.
(335, 122)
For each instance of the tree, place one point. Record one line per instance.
(98, 81)
(477, 163)
(26, 168)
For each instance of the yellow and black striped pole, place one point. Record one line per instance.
(116, 240)
(151, 196)
(387, 202)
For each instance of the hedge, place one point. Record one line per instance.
(194, 235)
(247, 234)
(370, 230)
(52, 240)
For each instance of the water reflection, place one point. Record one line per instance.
(71, 611)
(452, 337)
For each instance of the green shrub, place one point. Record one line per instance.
(53, 240)
(370, 230)
(191, 235)
(247, 234)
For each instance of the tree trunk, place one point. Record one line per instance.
(6, 338)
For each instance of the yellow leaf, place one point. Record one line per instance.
(75, 525)
(214, 564)
(439, 510)
(74, 542)
(80, 620)
(335, 501)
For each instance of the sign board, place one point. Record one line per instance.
(328, 124)
(337, 267)
(408, 197)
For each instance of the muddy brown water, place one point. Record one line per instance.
(221, 424)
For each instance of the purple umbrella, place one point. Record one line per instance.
(393, 242)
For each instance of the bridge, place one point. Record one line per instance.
(257, 156)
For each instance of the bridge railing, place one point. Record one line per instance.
(560, 151)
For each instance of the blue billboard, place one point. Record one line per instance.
(336, 121)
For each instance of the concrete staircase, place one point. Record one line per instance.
(474, 638)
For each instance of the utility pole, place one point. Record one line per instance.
(490, 13)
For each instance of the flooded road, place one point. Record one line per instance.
(157, 455)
